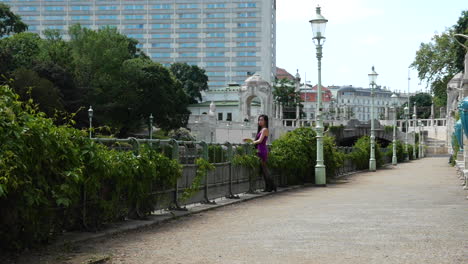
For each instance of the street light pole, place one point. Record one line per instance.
(151, 118)
(394, 107)
(406, 110)
(318, 24)
(414, 120)
(90, 116)
(372, 80)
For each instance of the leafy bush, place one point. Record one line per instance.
(53, 178)
(400, 151)
(295, 155)
(361, 153)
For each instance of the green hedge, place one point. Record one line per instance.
(400, 151)
(294, 154)
(361, 153)
(53, 178)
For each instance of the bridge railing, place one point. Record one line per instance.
(226, 180)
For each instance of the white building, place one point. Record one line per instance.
(356, 103)
(228, 38)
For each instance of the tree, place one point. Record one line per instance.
(193, 79)
(423, 103)
(439, 60)
(10, 22)
(285, 92)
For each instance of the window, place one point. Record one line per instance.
(246, 34)
(163, 6)
(246, 63)
(54, 8)
(81, 18)
(215, 44)
(103, 8)
(134, 17)
(27, 8)
(215, 64)
(247, 5)
(188, 6)
(220, 116)
(246, 44)
(245, 54)
(243, 25)
(107, 17)
(248, 14)
(136, 36)
(161, 35)
(215, 5)
(53, 18)
(188, 15)
(188, 25)
(165, 16)
(215, 74)
(161, 26)
(215, 15)
(189, 54)
(215, 25)
(138, 26)
(229, 117)
(161, 45)
(215, 35)
(188, 35)
(160, 55)
(80, 8)
(54, 27)
(134, 7)
(215, 54)
(188, 45)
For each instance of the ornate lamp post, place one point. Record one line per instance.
(318, 24)
(394, 108)
(151, 118)
(90, 116)
(372, 81)
(414, 120)
(406, 134)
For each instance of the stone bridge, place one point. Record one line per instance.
(354, 129)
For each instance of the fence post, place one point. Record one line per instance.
(206, 157)
(229, 159)
(252, 178)
(175, 156)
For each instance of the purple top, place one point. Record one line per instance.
(262, 150)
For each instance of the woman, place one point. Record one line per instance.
(262, 151)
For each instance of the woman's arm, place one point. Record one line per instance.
(262, 136)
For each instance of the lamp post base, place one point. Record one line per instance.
(372, 165)
(320, 176)
(394, 161)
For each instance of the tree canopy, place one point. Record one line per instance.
(104, 69)
(439, 60)
(193, 79)
(10, 22)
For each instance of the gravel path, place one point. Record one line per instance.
(414, 213)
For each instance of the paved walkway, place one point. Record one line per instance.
(414, 213)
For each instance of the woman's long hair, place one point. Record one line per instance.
(265, 118)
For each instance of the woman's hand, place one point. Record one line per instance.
(247, 140)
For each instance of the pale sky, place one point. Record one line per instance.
(361, 33)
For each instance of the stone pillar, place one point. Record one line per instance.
(386, 113)
(281, 111)
(432, 111)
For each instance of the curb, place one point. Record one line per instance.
(76, 237)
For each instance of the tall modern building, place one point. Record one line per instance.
(230, 39)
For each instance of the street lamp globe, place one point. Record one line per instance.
(373, 76)
(318, 23)
(406, 110)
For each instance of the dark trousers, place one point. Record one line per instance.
(269, 183)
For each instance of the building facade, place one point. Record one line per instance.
(356, 103)
(230, 39)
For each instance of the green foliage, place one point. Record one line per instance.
(193, 79)
(285, 92)
(295, 154)
(400, 151)
(203, 167)
(216, 154)
(251, 161)
(423, 102)
(439, 60)
(388, 129)
(101, 68)
(361, 153)
(336, 130)
(10, 22)
(53, 178)
(410, 151)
